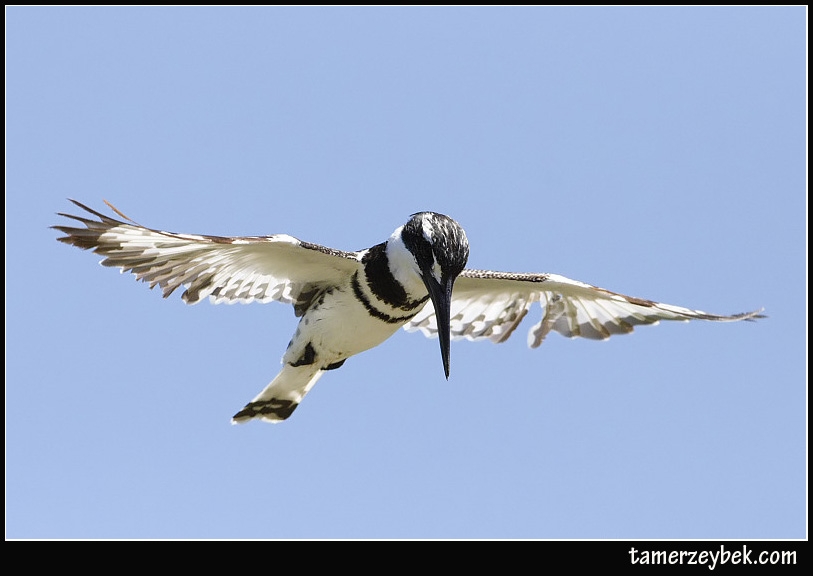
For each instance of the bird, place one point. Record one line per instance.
(349, 302)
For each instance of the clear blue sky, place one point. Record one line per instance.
(656, 152)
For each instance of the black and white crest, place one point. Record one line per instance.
(436, 239)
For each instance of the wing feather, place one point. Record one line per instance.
(491, 305)
(226, 269)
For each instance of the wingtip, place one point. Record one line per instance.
(755, 315)
(119, 212)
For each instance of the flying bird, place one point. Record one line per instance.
(349, 302)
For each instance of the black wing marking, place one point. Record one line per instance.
(226, 269)
(491, 305)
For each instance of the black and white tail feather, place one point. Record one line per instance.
(349, 302)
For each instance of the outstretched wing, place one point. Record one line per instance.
(227, 269)
(491, 305)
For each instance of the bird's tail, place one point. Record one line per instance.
(281, 397)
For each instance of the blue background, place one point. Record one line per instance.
(659, 152)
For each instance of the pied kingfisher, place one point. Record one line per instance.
(349, 302)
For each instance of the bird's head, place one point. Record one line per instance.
(439, 250)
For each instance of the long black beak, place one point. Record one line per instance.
(441, 295)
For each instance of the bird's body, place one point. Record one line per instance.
(349, 302)
(337, 321)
